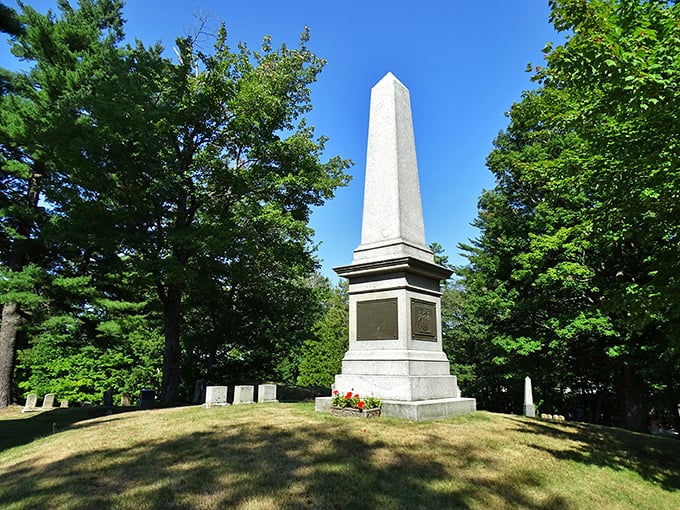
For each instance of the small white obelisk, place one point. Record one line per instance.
(529, 408)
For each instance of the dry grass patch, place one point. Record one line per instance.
(287, 456)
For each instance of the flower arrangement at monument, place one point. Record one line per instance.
(351, 404)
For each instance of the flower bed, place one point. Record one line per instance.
(352, 405)
(350, 412)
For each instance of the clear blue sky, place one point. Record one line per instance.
(463, 61)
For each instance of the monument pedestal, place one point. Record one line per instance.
(397, 374)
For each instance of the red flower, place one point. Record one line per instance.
(360, 404)
(356, 395)
(335, 392)
(349, 394)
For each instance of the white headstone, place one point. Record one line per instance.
(31, 402)
(48, 401)
(266, 393)
(244, 394)
(529, 408)
(216, 396)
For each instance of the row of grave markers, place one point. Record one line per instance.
(47, 404)
(216, 396)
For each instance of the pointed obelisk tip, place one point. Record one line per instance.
(389, 77)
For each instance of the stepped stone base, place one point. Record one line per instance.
(418, 410)
(397, 387)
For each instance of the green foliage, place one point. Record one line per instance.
(81, 345)
(185, 185)
(576, 267)
(322, 354)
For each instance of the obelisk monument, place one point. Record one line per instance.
(395, 340)
(529, 408)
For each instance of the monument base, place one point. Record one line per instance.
(418, 410)
(409, 388)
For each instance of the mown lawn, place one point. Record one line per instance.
(287, 456)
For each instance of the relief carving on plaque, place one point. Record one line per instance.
(423, 320)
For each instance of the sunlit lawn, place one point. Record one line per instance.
(287, 456)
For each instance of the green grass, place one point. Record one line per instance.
(287, 456)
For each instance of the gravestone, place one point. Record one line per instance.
(48, 401)
(266, 393)
(125, 399)
(244, 394)
(108, 398)
(63, 404)
(529, 408)
(31, 402)
(395, 339)
(199, 392)
(216, 396)
(147, 398)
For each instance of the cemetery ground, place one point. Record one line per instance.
(288, 456)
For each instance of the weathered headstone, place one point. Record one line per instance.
(395, 336)
(216, 396)
(266, 393)
(529, 408)
(199, 392)
(31, 402)
(147, 398)
(63, 404)
(125, 399)
(108, 398)
(244, 394)
(48, 401)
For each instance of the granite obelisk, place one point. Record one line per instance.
(395, 341)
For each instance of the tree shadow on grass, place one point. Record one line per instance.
(316, 465)
(25, 429)
(656, 459)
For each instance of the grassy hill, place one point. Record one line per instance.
(287, 456)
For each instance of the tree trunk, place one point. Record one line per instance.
(172, 314)
(633, 398)
(11, 320)
(11, 312)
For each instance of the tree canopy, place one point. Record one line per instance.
(176, 187)
(576, 269)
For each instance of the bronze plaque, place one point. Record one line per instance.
(377, 320)
(423, 320)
